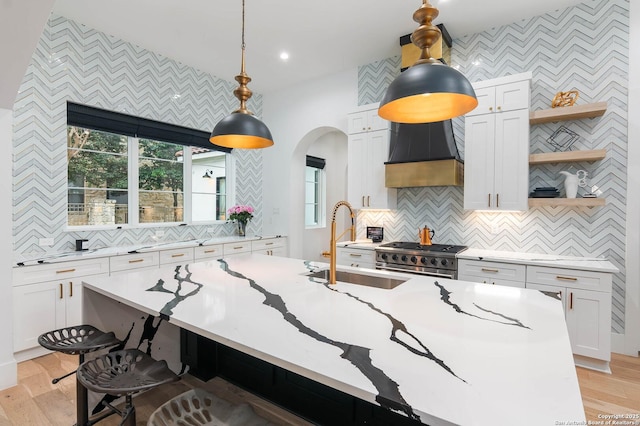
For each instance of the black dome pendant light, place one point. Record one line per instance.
(429, 90)
(241, 129)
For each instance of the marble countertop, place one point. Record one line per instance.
(570, 262)
(442, 351)
(36, 259)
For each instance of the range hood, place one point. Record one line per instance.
(423, 155)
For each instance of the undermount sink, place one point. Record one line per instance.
(361, 279)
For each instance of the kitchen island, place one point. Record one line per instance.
(436, 350)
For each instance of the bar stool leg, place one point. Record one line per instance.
(130, 413)
(82, 401)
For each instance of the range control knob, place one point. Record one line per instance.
(444, 262)
(423, 260)
(404, 258)
(434, 261)
(394, 257)
(384, 256)
(414, 259)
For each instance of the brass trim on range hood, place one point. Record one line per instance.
(424, 173)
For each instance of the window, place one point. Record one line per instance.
(314, 208)
(119, 175)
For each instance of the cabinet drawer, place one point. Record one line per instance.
(267, 244)
(208, 252)
(491, 270)
(182, 255)
(237, 247)
(134, 261)
(355, 257)
(63, 270)
(491, 281)
(570, 278)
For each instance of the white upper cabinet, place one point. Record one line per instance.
(496, 167)
(367, 152)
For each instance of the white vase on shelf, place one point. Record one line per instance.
(571, 182)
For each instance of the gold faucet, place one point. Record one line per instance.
(331, 254)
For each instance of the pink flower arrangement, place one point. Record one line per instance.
(241, 213)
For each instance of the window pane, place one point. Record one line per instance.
(313, 196)
(161, 181)
(97, 177)
(209, 185)
(310, 217)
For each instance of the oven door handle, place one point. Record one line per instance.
(431, 274)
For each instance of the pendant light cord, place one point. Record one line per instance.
(243, 43)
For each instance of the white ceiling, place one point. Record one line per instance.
(322, 37)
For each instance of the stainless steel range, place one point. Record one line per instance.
(438, 260)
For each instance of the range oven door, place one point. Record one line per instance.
(431, 272)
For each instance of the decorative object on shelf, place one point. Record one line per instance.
(241, 215)
(545, 192)
(241, 129)
(562, 139)
(571, 182)
(449, 92)
(564, 99)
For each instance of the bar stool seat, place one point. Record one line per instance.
(78, 340)
(199, 407)
(124, 373)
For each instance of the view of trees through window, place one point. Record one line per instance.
(98, 179)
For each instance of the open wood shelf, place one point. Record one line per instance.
(575, 112)
(568, 156)
(571, 202)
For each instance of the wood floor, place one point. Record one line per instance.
(35, 401)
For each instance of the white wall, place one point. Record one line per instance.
(632, 291)
(21, 23)
(333, 148)
(297, 117)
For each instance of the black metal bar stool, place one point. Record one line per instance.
(77, 340)
(123, 373)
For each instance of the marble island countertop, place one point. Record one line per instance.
(39, 258)
(557, 261)
(442, 351)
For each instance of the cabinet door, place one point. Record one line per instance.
(378, 196)
(73, 290)
(375, 122)
(37, 308)
(486, 101)
(511, 184)
(356, 181)
(479, 162)
(357, 122)
(512, 96)
(589, 323)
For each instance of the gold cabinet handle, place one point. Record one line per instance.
(64, 271)
(70, 289)
(363, 205)
(498, 200)
(211, 251)
(489, 270)
(570, 300)
(368, 201)
(177, 255)
(490, 108)
(136, 261)
(268, 244)
(560, 277)
(60, 290)
(489, 203)
(355, 255)
(237, 248)
(499, 108)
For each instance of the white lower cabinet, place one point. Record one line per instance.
(586, 299)
(134, 261)
(359, 258)
(270, 246)
(213, 251)
(176, 256)
(495, 273)
(47, 297)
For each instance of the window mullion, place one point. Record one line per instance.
(134, 193)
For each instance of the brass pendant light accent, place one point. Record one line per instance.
(429, 90)
(241, 129)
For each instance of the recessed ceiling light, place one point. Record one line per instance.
(284, 56)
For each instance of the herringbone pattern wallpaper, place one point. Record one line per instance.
(583, 47)
(73, 62)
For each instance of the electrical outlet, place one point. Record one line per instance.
(159, 233)
(45, 242)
